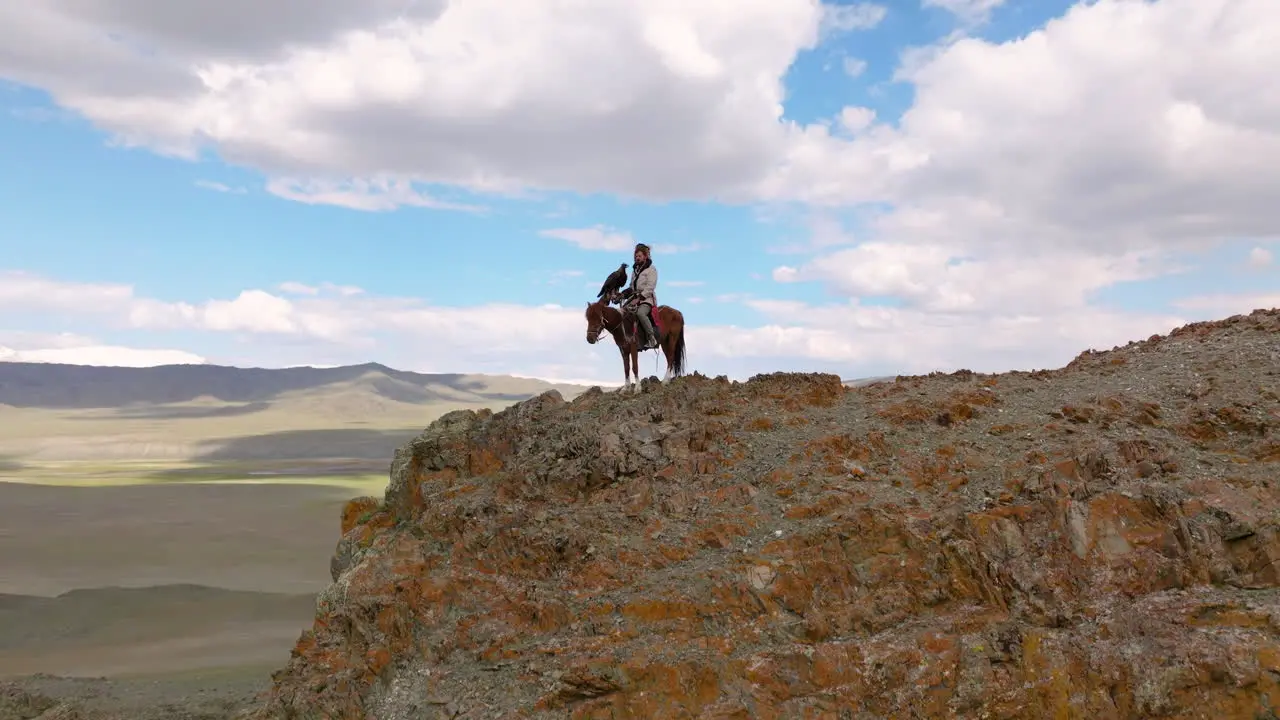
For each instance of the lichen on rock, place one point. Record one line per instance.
(1099, 541)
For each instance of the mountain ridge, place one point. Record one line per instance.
(67, 387)
(1098, 540)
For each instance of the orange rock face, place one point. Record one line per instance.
(1094, 542)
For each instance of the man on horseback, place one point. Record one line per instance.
(641, 297)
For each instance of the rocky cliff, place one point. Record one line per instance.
(1096, 541)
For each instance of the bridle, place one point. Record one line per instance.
(594, 330)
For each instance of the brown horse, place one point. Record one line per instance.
(601, 317)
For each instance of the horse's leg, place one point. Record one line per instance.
(635, 364)
(672, 349)
(666, 353)
(669, 347)
(626, 368)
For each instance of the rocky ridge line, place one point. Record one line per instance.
(1094, 541)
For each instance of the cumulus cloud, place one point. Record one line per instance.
(853, 67)
(559, 276)
(358, 107)
(1224, 304)
(297, 288)
(968, 11)
(1025, 176)
(857, 16)
(593, 238)
(1036, 172)
(73, 349)
(27, 291)
(102, 355)
(220, 187)
(852, 339)
(609, 239)
(855, 119)
(936, 278)
(879, 339)
(1092, 130)
(376, 195)
(1260, 257)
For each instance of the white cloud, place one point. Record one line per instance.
(559, 276)
(593, 238)
(876, 338)
(24, 291)
(857, 16)
(220, 187)
(1024, 177)
(1033, 173)
(365, 107)
(107, 355)
(379, 194)
(853, 67)
(855, 119)
(609, 239)
(297, 288)
(940, 279)
(968, 11)
(853, 339)
(1094, 130)
(1088, 131)
(672, 249)
(1222, 305)
(1260, 257)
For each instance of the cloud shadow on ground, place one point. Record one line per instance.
(295, 454)
(336, 444)
(66, 387)
(181, 412)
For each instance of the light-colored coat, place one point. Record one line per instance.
(645, 285)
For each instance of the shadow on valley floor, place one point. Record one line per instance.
(116, 614)
(301, 446)
(67, 387)
(7, 465)
(166, 628)
(181, 412)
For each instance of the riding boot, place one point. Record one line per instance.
(646, 324)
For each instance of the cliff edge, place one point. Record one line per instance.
(1095, 541)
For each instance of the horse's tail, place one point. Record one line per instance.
(677, 360)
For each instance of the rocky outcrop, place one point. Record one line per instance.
(1097, 541)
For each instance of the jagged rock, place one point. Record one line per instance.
(1097, 541)
(21, 704)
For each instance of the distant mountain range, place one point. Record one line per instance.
(76, 387)
(214, 414)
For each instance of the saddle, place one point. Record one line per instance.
(631, 329)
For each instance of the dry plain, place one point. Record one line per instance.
(168, 552)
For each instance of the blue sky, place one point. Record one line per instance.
(961, 236)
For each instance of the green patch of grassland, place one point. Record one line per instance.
(108, 474)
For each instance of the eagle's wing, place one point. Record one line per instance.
(614, 282)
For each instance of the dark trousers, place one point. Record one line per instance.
(650, 336)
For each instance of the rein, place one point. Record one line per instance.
(604, 325)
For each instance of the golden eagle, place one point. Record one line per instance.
(615, 282)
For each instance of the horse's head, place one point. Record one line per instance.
(595, 320)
